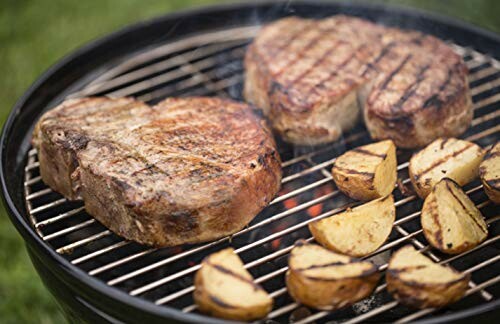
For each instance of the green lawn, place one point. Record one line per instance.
(34, 35)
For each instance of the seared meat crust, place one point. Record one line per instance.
(183, 171)
(311, 77)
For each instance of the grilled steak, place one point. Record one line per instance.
(183, 171)
(311, 77)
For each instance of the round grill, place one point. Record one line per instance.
(160, 281)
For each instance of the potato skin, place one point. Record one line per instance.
(356, 186)
(210, 305)
(489, 178)
(424, 295)
(492, 192)
(330, 294)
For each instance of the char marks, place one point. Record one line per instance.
(366, 152)
(410, 91)
(335, 71)
(373, 65)
(351, 171)
(323, 33)
(320, 266)
(434, 99)
(318, 62)
(465, 208)
(391, 75)
(443, 160)
(234, 275)
(290, 40)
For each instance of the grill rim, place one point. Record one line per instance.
(93, 287)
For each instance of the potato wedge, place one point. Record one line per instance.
(326, 280)
(367, 172)
(224, 288)
(489, 171)
(445, 157)
(450, 220)
(414, 280)
(358, 231)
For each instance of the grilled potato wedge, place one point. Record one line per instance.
(358, 231)
(489, 171)
(414, 280)
(450, 220)
(445, 157)
(224, 288)
(367, 172)
(326, 280)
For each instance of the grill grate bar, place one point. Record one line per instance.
(349, 139)
(52, 204)
(483, 74)
(32, 166)
(245, 33)
(154, 68)
(38, 193)
(185, 68)
(217, 86)
(121, 261)
(69, 229)
(68, 248)
(32, 181)
(59, 217)
(485, 87)
(99, 252)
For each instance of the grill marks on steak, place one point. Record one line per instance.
(183, 171)
(308, 74)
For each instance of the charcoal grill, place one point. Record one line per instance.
(97, 276)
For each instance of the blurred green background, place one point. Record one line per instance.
(34, 35)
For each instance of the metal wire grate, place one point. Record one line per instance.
(211, 64)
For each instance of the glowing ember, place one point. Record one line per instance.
(317, 209)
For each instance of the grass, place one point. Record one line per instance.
(34, 35)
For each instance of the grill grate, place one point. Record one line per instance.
(211, 64)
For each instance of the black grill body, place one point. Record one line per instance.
(91, 299)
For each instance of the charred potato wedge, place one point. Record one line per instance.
(489, 171)
(367, 172)
(414, 280)
(326, 280)
(358, 231)
(224, 288)
(444, 158)
(450, 220)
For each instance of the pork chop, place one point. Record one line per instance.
(184, 171)
(312, 78)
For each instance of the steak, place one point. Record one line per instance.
(184, 171)
(312, 78)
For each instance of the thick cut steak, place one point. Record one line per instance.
(312, 77)
(183, 171)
